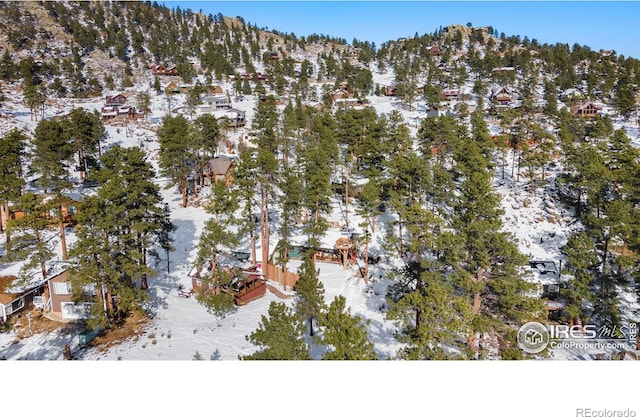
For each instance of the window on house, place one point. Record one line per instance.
(62, 288)
(15, 306)
(199, 283)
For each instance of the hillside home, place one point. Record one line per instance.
(122, 112)
(57, 298)
(234, 118)
(217, 102)
(246, 285)
(175, 88)
(390, 90)
(502, 69)
(68, 207)
(219, 168)
(351, 102)
(163, 70)
(12, 299)
(502, 96)
(587, 110)
(451, 94)
(434, 50)
(116, 100)
(545, 274)
(212, 89)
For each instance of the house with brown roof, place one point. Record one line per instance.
(434, 50)
(116, 100)
(219, 168)
(390, 90)
(451, 94)
(502, 96)
(164, 70)
(12, 300)
(587, 110)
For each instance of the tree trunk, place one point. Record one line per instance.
(43, 269)
(252, 241)
(264, 226)
(81, 166)
(400, 234)
(109, 300)
(195, 183)
(63, 238)
(4, 215)
(183, 191)
(346, 200)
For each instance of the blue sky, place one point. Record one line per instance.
(597, 24)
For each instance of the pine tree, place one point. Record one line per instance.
(244, 178)
(174, 153)
(345, 334)
(52, 153)
(582, 262)
(126, 181)
(85, 131)
(309, 291)
(206, 135)
(30, 241)
(164, 238)
(13, 150)
(291, 204)
(279, 336)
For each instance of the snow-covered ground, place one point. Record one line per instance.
(182, 328)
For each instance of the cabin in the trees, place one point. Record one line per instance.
(273, 55)
(234, 118)
(545, 274)
(122, 112)
(246, 284)
(68, 208)
(451, 94)
(175, 88)
(434, 50)
(390, 90)
(57, 298)
(587, 110)
(116, 100)
(351, 103)
(502, 96)
(164, 70)
(12, 299)
(219, 168)
(341, 94)
(217, 102)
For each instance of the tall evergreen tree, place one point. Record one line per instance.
(309, 292)
(279, 336)
(30, 241)
(175, 158)
(52, 154)
(345, 334)
(13, 150)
